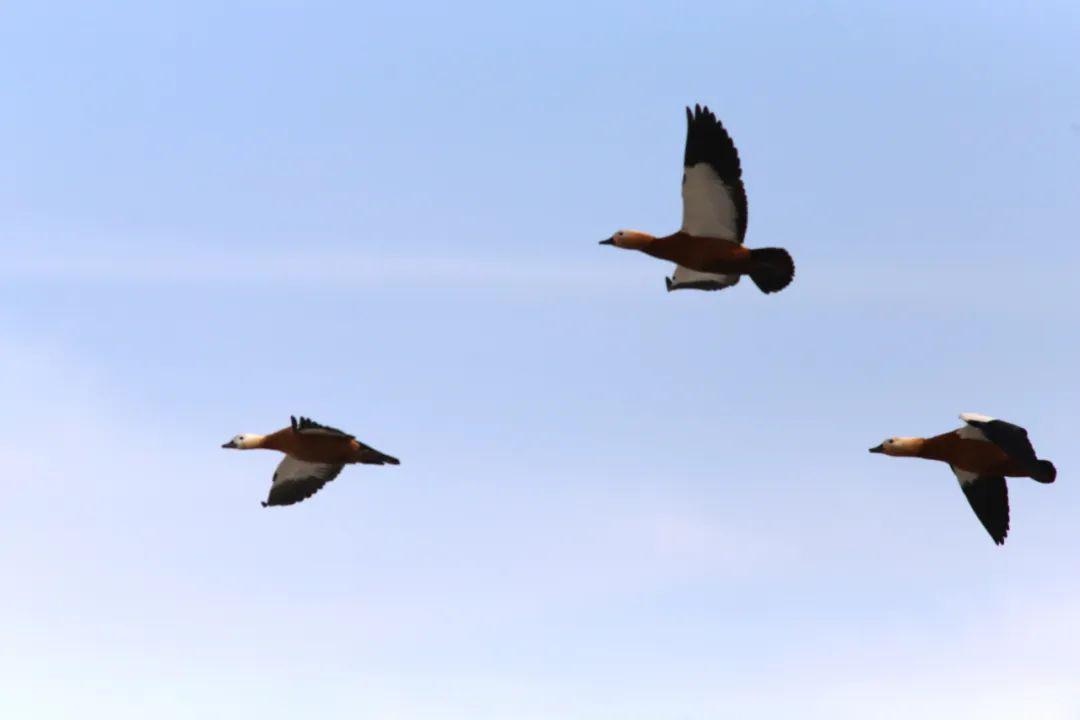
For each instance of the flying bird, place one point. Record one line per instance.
(982, 454)
(708, 250)
(314, 455)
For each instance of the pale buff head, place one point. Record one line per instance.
(629, 239)
(245, 441)
(899, 446)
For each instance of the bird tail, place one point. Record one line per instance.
(1044, 471)
(773, 269)
(371, 456)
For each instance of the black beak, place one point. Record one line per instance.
(609, 241)
(878, 449)
(229, 444)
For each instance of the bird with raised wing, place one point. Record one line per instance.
(708, 249)
(314, 455)
(982, 454)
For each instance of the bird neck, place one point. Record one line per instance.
(633, 240)
(907, 447)
(255, 442)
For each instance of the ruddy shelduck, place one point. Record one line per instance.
(982, 453)
(708, 250)
(314, 455)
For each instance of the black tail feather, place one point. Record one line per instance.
(773, 269)
(374, 457)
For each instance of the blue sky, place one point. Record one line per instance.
(614, 503)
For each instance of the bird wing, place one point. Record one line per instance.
(687, 279)
(988, 496)
(1012, 439)
(307, 426)
(714, 199)
(296, 480)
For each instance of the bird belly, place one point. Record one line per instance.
(977, 456)
(707, 255)
(322, 449)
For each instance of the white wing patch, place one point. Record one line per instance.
(970, 432)
(708, 210)
(965, 477)
(291, 469)
(296, 480)
(686, 277)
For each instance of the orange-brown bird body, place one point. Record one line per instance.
(314, 455)
(320, 448)
(981, 454)
(706, 255)
(976, 456)
(708, 249)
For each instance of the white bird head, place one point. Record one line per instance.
(244, 442)
(898, 447)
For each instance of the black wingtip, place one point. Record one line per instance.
(700, 112)
(669, 283)
(292, 421)
(707, 141)
(989, 498)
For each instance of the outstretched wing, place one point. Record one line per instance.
(1012, 439)
(988, 496)
(310, 427)
(296, 480)
(714, 199)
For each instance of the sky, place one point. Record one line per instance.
(614, 503)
